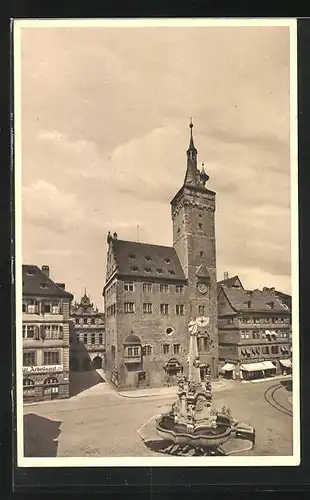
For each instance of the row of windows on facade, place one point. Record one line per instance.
(49, 358)
(129, 286)
(51, 384)
(166, 348)
(87, 321)
(250, 320)
(255, 351)
(148, 258)
(258, 335)
(42, 331)
(89, 339)
(159, 270)
(32, 306)
(147, 308)
(147, 350)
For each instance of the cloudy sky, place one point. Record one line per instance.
(105, 115)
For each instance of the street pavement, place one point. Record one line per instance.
(100, 422)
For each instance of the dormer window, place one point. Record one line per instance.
(200, 225)
(30, 273)
(167, 261)
(159, 271)
(147, 269)
(43, 285)
(132, 256)
(171, 272)
(135, 268)
(249, 304)
(271, 305)
(148, 258)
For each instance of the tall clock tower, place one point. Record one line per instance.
(193, 212)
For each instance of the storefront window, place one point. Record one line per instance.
(51, 386)
(28, 387)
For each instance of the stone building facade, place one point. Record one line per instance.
(152, 292)
(45, 320)
(87, 336)
(254, 332)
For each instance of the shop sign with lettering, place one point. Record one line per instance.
(42, 368)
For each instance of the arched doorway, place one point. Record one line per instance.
(74, 365)
(86, 364)
(173, 369)
(97, 363)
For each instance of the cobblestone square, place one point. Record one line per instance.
(102, 423)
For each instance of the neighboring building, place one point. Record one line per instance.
(152, 291)
(45, 335)
(254, 332)
(87, 336)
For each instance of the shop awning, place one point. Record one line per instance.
(228, 367)
(253, 367)
(286, 362)
(268, 365)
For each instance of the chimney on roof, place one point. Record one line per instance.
(115, 236)
(226, 275)
(265, 289)
(109, 237)
(46, 271)
(62, 286)
(272, 290)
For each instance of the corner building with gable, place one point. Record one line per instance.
(153, 291)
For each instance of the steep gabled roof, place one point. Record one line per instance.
(202, 272)
(35, 282)
(261, 301)
(147, 261)
(230, 282)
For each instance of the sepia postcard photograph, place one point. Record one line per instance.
(156, 229)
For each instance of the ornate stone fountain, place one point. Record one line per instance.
(192, 422)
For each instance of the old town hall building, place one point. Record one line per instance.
(152, 291)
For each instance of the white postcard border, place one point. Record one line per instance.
(228, 461)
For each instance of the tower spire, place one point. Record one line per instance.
(191, 147)
(191, 171)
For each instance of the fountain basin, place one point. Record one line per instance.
(201, 436)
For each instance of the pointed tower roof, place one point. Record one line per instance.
(191, 171)
(191, 146)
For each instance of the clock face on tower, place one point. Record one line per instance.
(202, 288)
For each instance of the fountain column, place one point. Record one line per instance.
(193, 357)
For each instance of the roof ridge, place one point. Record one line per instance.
(142, 243)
